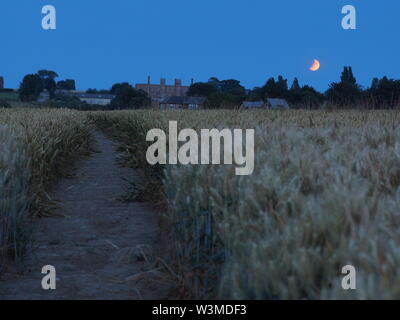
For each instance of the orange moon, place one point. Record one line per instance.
(315, 66)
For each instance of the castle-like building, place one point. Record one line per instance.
(158, 92)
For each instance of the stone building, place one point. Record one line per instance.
(1, 83)
(158, 92)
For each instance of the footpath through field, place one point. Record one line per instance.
(96, 247)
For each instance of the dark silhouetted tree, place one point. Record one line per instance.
(30, 88)
(295, 85)
(346, 92)
(48, 77)
(220, 94)
(202, 89)
(47, 74)
(120, 87)
(128, 97)
(275, 89)
(257, 94)
(304, 97)
(67, 84)
(384, 93)
(347, 76)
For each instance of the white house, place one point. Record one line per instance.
(96, 98)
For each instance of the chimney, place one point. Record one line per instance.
(178, 84)
(163, 88)
(148, 86)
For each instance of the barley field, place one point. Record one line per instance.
(36, 145)
(325, 193)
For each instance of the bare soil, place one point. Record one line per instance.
(101, 247)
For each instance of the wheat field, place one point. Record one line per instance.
(325, 193)
(36, 145)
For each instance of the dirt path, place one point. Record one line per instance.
(93, 247)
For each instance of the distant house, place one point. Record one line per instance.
(190, 103)
(96, 98)
(91, 98)
(269, 104)
(277, 104)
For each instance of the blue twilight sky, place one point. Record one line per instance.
(99, 42)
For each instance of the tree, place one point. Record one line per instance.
(47, 74)
(374, 84)
(347, 76)
(282, 84)
(202, 89)
(309, 97)
(214, 81)
(225, 93)
(222, 100)
(343, 94)
(128, 97)
(346, 92)
(295, 85)
(120, 87)
(384, 92)
(30, 88)
(49, 83)
(67, 84)
(257, 94)
(275, 89)
(232, 86)
(305, 96)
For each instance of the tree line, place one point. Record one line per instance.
(32, 85)
(347, 93)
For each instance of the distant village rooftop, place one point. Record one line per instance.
(176, 102)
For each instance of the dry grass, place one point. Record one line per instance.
(325, 193)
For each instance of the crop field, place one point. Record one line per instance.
(324, 194)
(35, 147)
